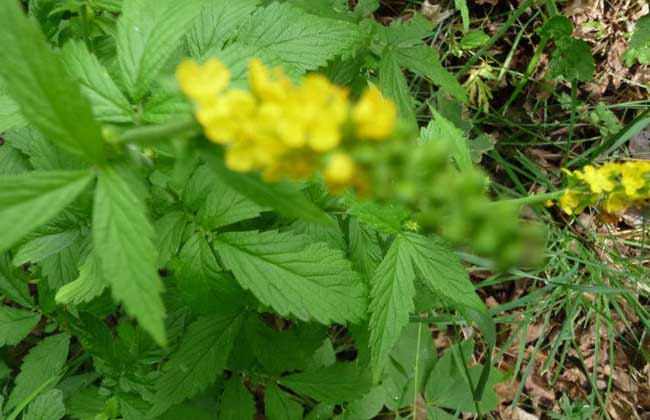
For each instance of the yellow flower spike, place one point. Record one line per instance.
(340, 171)
(597, 179)
(268, 84)
(202, 83)
(374, 116)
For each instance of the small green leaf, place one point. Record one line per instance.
(236, 402)
(474, 39)
(38, 82)
(425, 61)
(278, 405)
(30, 200)
(639, 46)
(572, 60)
(90, 284)
(441, 129)
(383, 218)
(16, 324)
(123, 239)
(393, 84)
(169, 235)
(12, 284)
(557, 27)
(335, 384)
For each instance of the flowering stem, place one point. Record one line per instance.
(531, 199)
(158, 133)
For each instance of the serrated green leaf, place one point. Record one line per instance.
(425, 61)
(364, 250)
(200, 359)
(442, 271)
(47, 95)
(283, 197)
(16, 324)
(303, 41)
(391, 302)
(331, 234)
(62, 267)
(40, 370)
(294, 276)
(441, 129)
(10, 116)
(335, 384)
(203, 285)
(383, 218)
(169, 235)
(474, 39)
(393, 84)
(215, 202)
(30, 200)
(455, 391)
(148, 32)
(639, 46)
(572, 60)
(217, 23)
(12, 285)
(90, 284)
(294, 347)
(367, 407)
(107, 101)
(43, 155)
(123, 240)
(236, 402)
(40, 248)
(48, 406)
(278, 405)
(12, 162)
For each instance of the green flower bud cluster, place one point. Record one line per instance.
(449, 202)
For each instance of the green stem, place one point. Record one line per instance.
(572, 122)
(529, 71)
(85, 27)
(158, 133)
(502, 30)
(531, 199)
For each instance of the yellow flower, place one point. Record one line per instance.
(340, 171)
(570, 201)
(268, 84)
(597, 179)
(374, 116)
(204, 82)
(632, 179)
(227, 116)
(615, 202)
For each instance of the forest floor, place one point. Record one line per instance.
(574, 335)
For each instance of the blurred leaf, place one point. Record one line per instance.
(236, 402)
(48, 406)
(336, 383)
(47, 95)
(16, 324)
